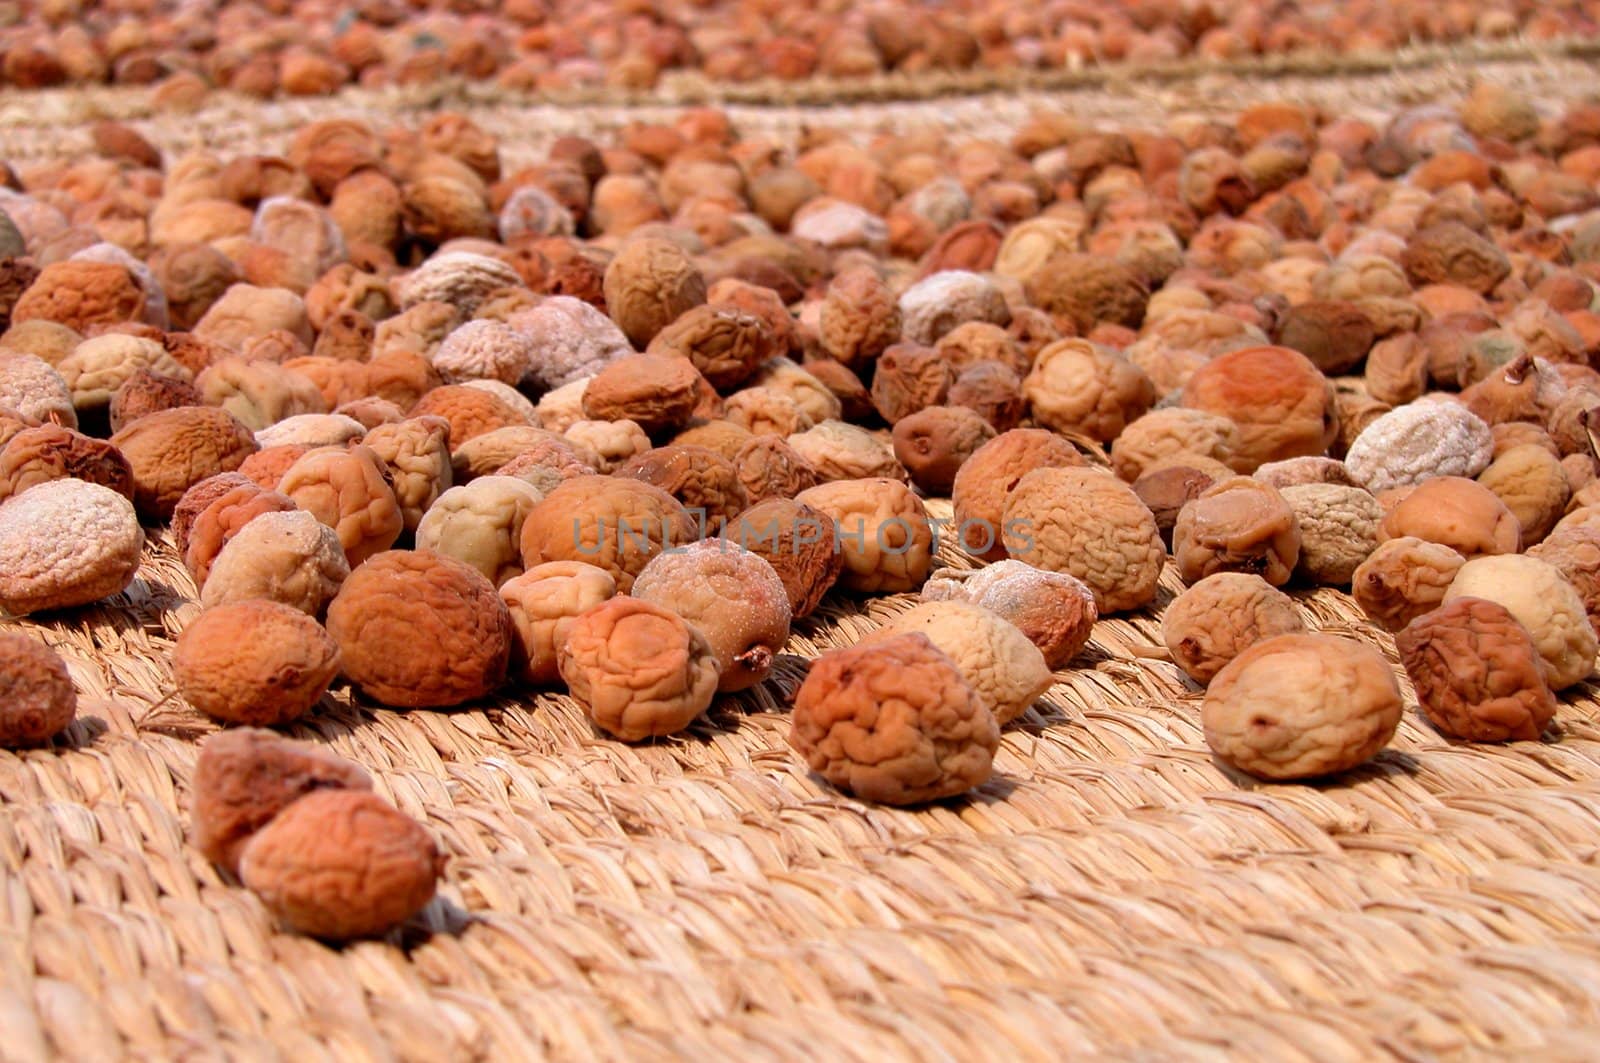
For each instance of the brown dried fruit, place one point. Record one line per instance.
(419, 630)
(723, 342)
(706, 483)
(859, 319)
(648, 285)
(1575, 550)
(894, 722)
(1301, 706)
(1283, 405)
(1088, 289)
(638, 669)
(657, 392)
(615, 523)
(1167, 488)
(342, 864)
(1089, 524)
(147, 392)
(1397, 369)
(1006, 670)
(48, 452)
(1237, 525)
(544, 602)
(770, 468)
(245, 777)
(1455, 512)
(799, 542)
(1168, 433)
(883, 531)
(172, 450)
(908, 378)
(1054, 610)
(1451, 253)
(1334, 335)
(254, 662)
(935, 442)
(991, 390)
(985, 480)
(1402, 579)
(1220, 617)
(37, 698)
(731, 596)
(1477, 673)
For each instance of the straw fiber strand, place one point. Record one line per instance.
(1112, 889)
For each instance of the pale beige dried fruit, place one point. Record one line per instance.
(1168, 432)
(1338, 530)
(1541, 599)
(1301, 706)
(1419, 441)
(639, 670)
(1477, 673)
(291, 558)
(254, 662)
(416, 453)
(1091, 525)
(1533, 485)
(1221, 616)
(893, 722)
(1054, 610)
(1081, 387)
(480, 523)
(840, 451)
(544, 602)
(883, 531)
(1006, 670)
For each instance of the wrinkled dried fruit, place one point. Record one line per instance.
(1539, 596)
(1220, 617)
(894, 722)
(37, 698)
(1477, 673)
(544, 602)
(1006, 670)
(254, 662)
(1301, 706)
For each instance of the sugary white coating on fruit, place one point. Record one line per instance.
(1056, 611)
(65, 543)
(484, 349)
(32, 387)
(481, 523)
(735, 599)
(1540, 598)
(570, 340)
(1418, 441)
(291, 558)
(1301, 706)
(460, 278)
(311, 430)
(1005, 670)
(531, 211)
(834, 223)
(939, 302)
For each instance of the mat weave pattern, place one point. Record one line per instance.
(1112, 889)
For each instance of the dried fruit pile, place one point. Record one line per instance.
(615, 422)
(311, 48)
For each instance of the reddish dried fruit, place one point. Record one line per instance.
(1477, 673)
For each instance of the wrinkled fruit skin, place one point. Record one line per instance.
(640, 670)
(1218, 618)
(544, 602)
(244, 777)
(37, 698)
(342, 864)
(1301, 706)
(66, 543)
(1477, 673)
(1239, 525)
(417, 630)
(254, 662)
(893, 722)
